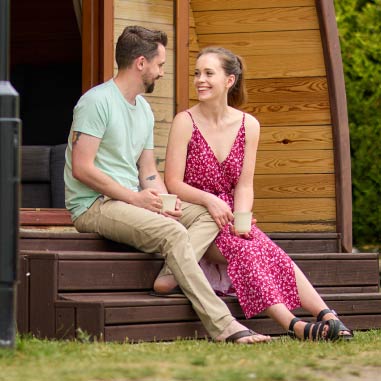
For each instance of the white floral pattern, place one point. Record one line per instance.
(259, 272)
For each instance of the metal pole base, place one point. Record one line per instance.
(7, 316)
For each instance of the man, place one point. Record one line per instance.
(112, 184)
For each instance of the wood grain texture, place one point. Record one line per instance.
(281, 114)
(272, 64)
(294, 185)
(293, 138)
(202, 5)
(256, 20)
(159, 12)
(298, 227)
(278, 114)
(306, 161)
(154, 15)
(300, 210)
(288, 89)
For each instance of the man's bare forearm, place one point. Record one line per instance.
(152, 179)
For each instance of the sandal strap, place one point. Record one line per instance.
(291, 331)
(307, 330)
(317, 331)
(325, 312)
(332, 332)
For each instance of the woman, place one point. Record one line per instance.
(210, 161)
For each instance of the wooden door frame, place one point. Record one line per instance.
(97, 42)
(182, 55)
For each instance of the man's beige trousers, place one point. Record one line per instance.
(179, 243)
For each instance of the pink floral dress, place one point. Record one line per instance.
(259, 272)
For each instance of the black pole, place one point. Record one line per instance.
(9, 187)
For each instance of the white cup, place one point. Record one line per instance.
(169, 202)
(242, 221)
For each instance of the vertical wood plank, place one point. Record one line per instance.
(43, 291)
(339, 116)
(90, 44)
(182, 55)
(23, 295)
(107, 40)
(65, 323)
(97, 42)
(90, 319)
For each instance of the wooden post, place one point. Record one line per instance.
(182, 55)
(97, 42)
(338, 101)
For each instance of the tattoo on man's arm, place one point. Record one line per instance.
(76, 136)
(151, 178)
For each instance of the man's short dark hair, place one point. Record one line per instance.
(136, 41)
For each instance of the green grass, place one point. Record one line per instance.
(283, 359)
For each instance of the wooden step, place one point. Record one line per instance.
(53, 229)
(139, 316)
(81, 270)
(67, 238)
(73, 289)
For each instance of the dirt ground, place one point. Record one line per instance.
(353, 373)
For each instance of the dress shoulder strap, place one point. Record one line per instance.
(243, 119)
(194, 124)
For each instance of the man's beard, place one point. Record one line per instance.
(149, 88)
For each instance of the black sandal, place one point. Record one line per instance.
(317, 331)
(245, 333)
(342, 327)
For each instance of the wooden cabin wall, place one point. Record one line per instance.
(288, 93)
(158, 14)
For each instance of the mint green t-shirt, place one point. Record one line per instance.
(125, 131)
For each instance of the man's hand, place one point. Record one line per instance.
(148, 199)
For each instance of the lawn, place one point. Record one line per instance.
(282, 359)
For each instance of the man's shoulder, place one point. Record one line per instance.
(101, 91)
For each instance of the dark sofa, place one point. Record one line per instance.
(42, 183)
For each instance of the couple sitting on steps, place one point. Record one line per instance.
(112, 188)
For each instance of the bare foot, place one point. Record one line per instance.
(234, 327)
(164, 283)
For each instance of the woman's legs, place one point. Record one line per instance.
(316, 331)
(309, 297)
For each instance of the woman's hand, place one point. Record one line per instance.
(176, 214)
(242, 235)
(219, 210)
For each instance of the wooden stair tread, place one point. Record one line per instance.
(56, 231)
(45, 216)
(78, 255)
(143, 299)
(91, 255)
